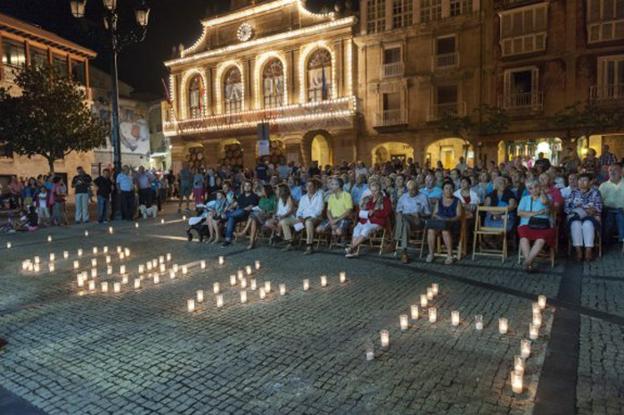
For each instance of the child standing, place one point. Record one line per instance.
(42, 206)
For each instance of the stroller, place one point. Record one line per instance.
(198, 223)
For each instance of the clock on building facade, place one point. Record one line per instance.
(244, 32)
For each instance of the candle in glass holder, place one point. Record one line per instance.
(216, 288)
(109, 270)
(136, 225)
(176, 267)
(183, 217)
(86, 233)
(80, 280)
(156, 279)
(435, 288)
(94, 262)
(118, 249)
(52, 257)
(282, 289)
(384, 336)
(219, 298)
(414, 312)
(323, 281)
(403, 322)
(343, 277)
(232, 280)
(141, 269)
(104, 286)
(51, 267)
(162, 221)
(37, 260)
(168, 256)
(37, 268)
(127, 251)
(267, 286)
(433, 315)
(257, 265)
(261, 293)
(455, 318)
(370, 355)
(536, 308)
(9, 245)
(122, 255)
(93, 272)
(423, 300)
(124, 279)
(516, 381)
(479, 322)
(243, 283)
(148, 265)
(202, 264)
(519, 363)
(429, 294)
(65, 254)
(537, 320)
(79, 252)
(525, 348)
(243, 296)
(200, 296)
(533, 331)
(92, 285)
(137, 283)
(248, 269)
(49, 238)
(306, 284)
(503, 325)
(110, 230)
(221, 260)
(253, 284)
(240, 274)
(116, 287)
(541, 301)
(190, 305)
(95, 250)
(162, 268)
(184, 270)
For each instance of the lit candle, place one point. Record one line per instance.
(240, 274)
(403, 322)
(127, 251)
(51, 267)
(86, 233)
(525, 348)
(137, 283)
(162, 268)
(455, 318)
(122, 255)
(172, 274)
(267, 286)
(435, 288)
(533, 331)
(124, 279)
(94, 262)
(536, 308)
(243, 296)
(261, 293)
(9, 245)
(136, 225)
(537, 320)
(253, 284)
(104, 286)
(116, 287)
(282, 289)
(541, 301)
(52, 257)
(161, 259)
(200, 296)
(109, 270)
(221, 260)
(168, 257)
(162, 221)
(118, 249)
(80, 280)
(343, 277)
(93, 272)
(92, 285)
(429, 294)
(110, 230)
(37, 268)
(184, 217)
(433, 315)
(243, 283)
(423, 300)
(503, 325)
(122, 269)
(49, 238)
(479, 322)
(414, 312)
(323, 281)
(65, 254)
(516, 381)
(156, 279)
(384, 336)
(519, 363)
(154, 263)
(257, 265)
(37, 260)
(79, 252)
(248, 269)
(190, 305)
(219, 298)
(175, 267)
(202, 264)
(108, 259)
(216, 288)
(232, 280)
(95, 250)
(370, 355)
(306, 284)
(148, 265)
(105, 249)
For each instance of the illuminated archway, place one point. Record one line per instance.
(321, 151)
(448, 151)
(391, 151)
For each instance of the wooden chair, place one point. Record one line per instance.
(597, 242)
(377, 239)
(415, 239)
(461, 248)
(480, 231)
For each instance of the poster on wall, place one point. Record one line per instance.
(133, 129)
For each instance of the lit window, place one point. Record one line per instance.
(196, 92)
(376, 16)
(273, 84)
(38, 57)
(233, 91)
(319, 75)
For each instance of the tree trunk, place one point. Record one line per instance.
(51, 165)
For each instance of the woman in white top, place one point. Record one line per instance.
(286, 208)
(468, 197)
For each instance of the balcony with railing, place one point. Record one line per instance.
(389, 118)
(526, 101)
(438, 110)
(445, 60)
(606, 93)
(391, 70)
(333, 113)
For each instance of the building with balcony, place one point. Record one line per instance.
(272, 63)
(24, 44)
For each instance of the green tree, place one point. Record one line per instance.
(50, 118)
(580, 120)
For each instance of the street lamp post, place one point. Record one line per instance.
(117, 43)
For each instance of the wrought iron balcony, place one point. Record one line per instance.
(606, 93)
(389, 118)
(529, 101)
(391, 70)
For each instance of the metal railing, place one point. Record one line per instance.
(390, 117)
(523, 101)
(393, 69)
(606, 92)
(445, 60)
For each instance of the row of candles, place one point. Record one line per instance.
(34, 264)
(263, 290)
(517, 372)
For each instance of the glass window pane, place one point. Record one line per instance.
(38, 57)
(14, 53)
(78, 72)
(60, 64)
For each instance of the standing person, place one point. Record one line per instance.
(144, 184)
(590, 163)
(358, 188)
(198, 186)
(171, 179)
(186, 182)
(606, 158)
(104, 189)
(81, 183)
(59, 197)
(41, 202)
(612, 192)
(411, 208)
(125, 186)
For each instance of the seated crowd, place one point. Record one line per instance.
(350, 203)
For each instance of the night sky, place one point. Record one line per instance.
(171, 22)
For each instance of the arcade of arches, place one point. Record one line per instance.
(391, 151)
(448, 151)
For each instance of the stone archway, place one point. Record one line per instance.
(317, 144)
(391, 150)
(448, 151)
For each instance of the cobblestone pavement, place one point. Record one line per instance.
(141, 351)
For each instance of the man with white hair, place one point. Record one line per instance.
(411, 208)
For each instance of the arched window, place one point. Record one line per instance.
(273, 84)
(319, 75)
(196, 92)
(233, 88)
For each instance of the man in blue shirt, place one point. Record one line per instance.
(432, 192)
(125, 184)
(358, 189)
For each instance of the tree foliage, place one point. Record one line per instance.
(50, 118)
(484, 121)
(585, 120)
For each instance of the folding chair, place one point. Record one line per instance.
(377, 240)
(548, 255)
(459, 251)
(480, 230)
(597, 242)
